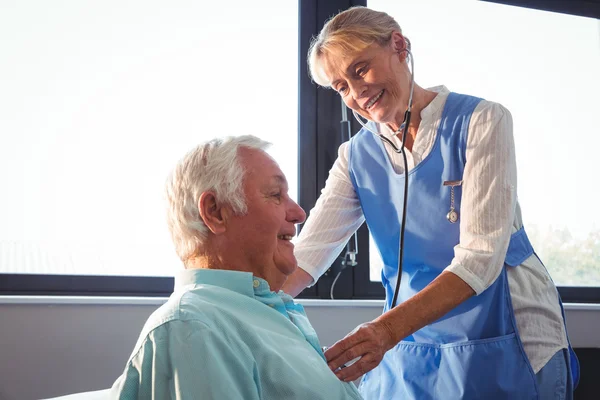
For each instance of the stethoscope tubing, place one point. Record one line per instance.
(404, 128)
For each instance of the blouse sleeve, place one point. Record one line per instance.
(488, 199)
(335, 217)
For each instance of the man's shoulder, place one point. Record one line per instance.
(203, 305)
(209, 304)
(198, 302)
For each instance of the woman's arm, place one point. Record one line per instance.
(372, 340)
(489, 198)
(335, 217)
(296, 282)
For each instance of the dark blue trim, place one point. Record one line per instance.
(584, 8)
(85, 285)
(519, 248)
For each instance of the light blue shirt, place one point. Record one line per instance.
(226, 335)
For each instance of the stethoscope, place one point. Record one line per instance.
(404, 129)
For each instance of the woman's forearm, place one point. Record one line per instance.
(297, 282)
(442, 295)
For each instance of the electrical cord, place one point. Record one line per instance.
(334, 282)
(349, 260)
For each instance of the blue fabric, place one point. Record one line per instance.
(519, 249)
(226, 335)
(554, 380)
(474, 351)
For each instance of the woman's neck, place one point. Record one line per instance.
(421, 99)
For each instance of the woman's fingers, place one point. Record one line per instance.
(351, 353)
(352, 339)
(367, 344)
(359, 368)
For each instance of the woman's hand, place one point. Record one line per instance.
(369, 341)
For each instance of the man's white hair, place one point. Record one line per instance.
(213, 166)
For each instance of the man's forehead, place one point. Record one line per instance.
(279, 179)
(268, 181)
(257, 159)
(261, 165)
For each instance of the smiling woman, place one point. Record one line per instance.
(446, 268)
(97, 102)
(360, 72)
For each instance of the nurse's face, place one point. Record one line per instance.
(374, 82)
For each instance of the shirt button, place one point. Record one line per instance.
(271, 305)
(256, 283)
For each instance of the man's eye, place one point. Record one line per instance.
(361, 71)
(276, 195)
(342, 90)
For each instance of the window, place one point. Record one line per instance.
(98, 102)
(543, 67)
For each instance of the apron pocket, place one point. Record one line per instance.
(494, 368)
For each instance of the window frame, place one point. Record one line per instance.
(316, 155)
(319, 116)
(584, 8)
(85, 285)
(357, 284)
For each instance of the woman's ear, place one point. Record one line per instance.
(399, 45)
(212, 213)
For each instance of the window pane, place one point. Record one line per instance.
(100, 99)
(544, 67)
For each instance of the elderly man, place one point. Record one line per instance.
(227, 331)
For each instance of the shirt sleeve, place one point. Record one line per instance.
(183, 360)
(489, 197)
(335, 217)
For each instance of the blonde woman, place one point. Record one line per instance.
(477, 315)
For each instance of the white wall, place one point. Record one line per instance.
(50, 348)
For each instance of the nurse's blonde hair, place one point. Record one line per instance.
(350, 31)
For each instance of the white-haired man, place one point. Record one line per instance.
(228, 332)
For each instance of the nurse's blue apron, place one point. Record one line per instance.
(474, 351)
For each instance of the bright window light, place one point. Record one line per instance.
(544, 67)
(98, 100)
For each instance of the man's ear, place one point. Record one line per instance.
(213, 214)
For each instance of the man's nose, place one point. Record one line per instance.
(296, 214)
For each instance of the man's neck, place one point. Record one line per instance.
(198, 262)
(212, 262)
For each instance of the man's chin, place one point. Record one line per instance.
(287, 266)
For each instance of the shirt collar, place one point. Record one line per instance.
(241, 282)
(437, 103)
(426, 113)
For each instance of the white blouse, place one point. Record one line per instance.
(489, 214)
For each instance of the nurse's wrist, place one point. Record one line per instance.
(392, 336)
